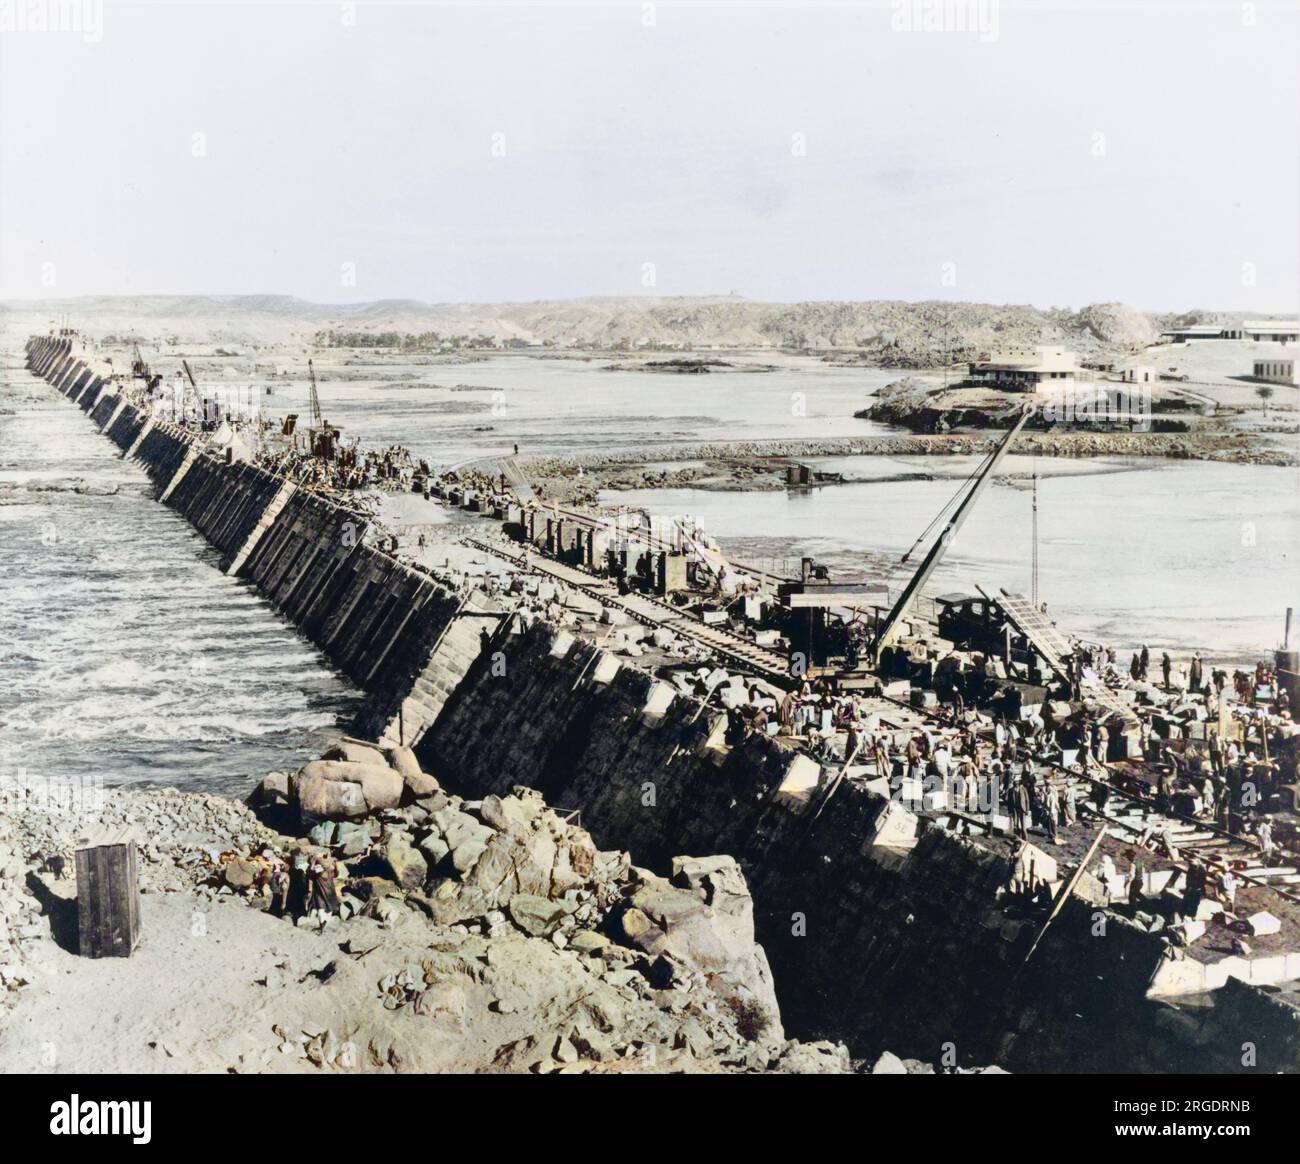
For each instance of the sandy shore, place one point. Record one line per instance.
(221, 984)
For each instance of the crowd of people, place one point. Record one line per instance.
(1027, 768)
(349, 468)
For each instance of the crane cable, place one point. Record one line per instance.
(1033, 578)
(938, 517)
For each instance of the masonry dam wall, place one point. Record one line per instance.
(874, 938)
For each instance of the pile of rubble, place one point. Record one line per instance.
(484, 935)
(507, 867)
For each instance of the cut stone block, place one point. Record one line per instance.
(800, 781)
(659, 700)
(1263, 923)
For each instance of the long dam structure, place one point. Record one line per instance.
(900, 922)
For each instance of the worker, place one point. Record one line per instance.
(1166, 665)
(884, 767)
(1144, 661)
(1135, 882)
(1052, 809)
(1228, 886)
(1069, 804)
(1265, 833)
(1020, 808)
(1195, 891)
(1216, 754)
(1195, 673)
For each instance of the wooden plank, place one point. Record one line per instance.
(108, 900)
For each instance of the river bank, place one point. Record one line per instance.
(761, 465)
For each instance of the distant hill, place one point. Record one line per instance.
(884, 332)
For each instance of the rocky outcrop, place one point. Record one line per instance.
(483, 935)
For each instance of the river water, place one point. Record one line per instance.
(125, 652)
(1179, 554)
(1175, 553)
(452, 412)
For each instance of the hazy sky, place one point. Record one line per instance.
(447, 152)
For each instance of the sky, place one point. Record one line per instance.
(1056, 154)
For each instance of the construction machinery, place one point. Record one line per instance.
(191, 400)
(321, 436)
(889, 628)
(141, 371)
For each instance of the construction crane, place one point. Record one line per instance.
(189, 375)
(889, 628)
(139, 369)
(316, 422)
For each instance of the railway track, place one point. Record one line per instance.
(1129, 816)
(653, 612)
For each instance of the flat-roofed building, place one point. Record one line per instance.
(1140, 374)
(1202, 331)
(1272, 330)
(1275, 371)
(1025, 371)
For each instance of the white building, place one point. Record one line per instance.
(1141, 374)
(1201, 331)
(1025, 371)
(1272, 330)
(1275, 371)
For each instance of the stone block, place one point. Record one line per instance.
(659, 699)
(1263, 923)
(800, 782)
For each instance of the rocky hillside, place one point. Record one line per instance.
(885, 332)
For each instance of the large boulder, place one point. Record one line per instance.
(407, 865)
(538, 916)
(273, 791)
(822, 1058)
(418, 783)
(321, 799)
(706, 925)
(465, 837)
(381, 786)
(355, 752)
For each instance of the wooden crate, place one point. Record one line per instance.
(108, 900)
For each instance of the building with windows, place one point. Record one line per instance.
(1140, 374)
(1202, 331)
(1025, 371)
(1272, 330)
(1275, 371)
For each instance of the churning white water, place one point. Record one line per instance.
(125, 652)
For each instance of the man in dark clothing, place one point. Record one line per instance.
(1021, 807)
(1195, 890)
